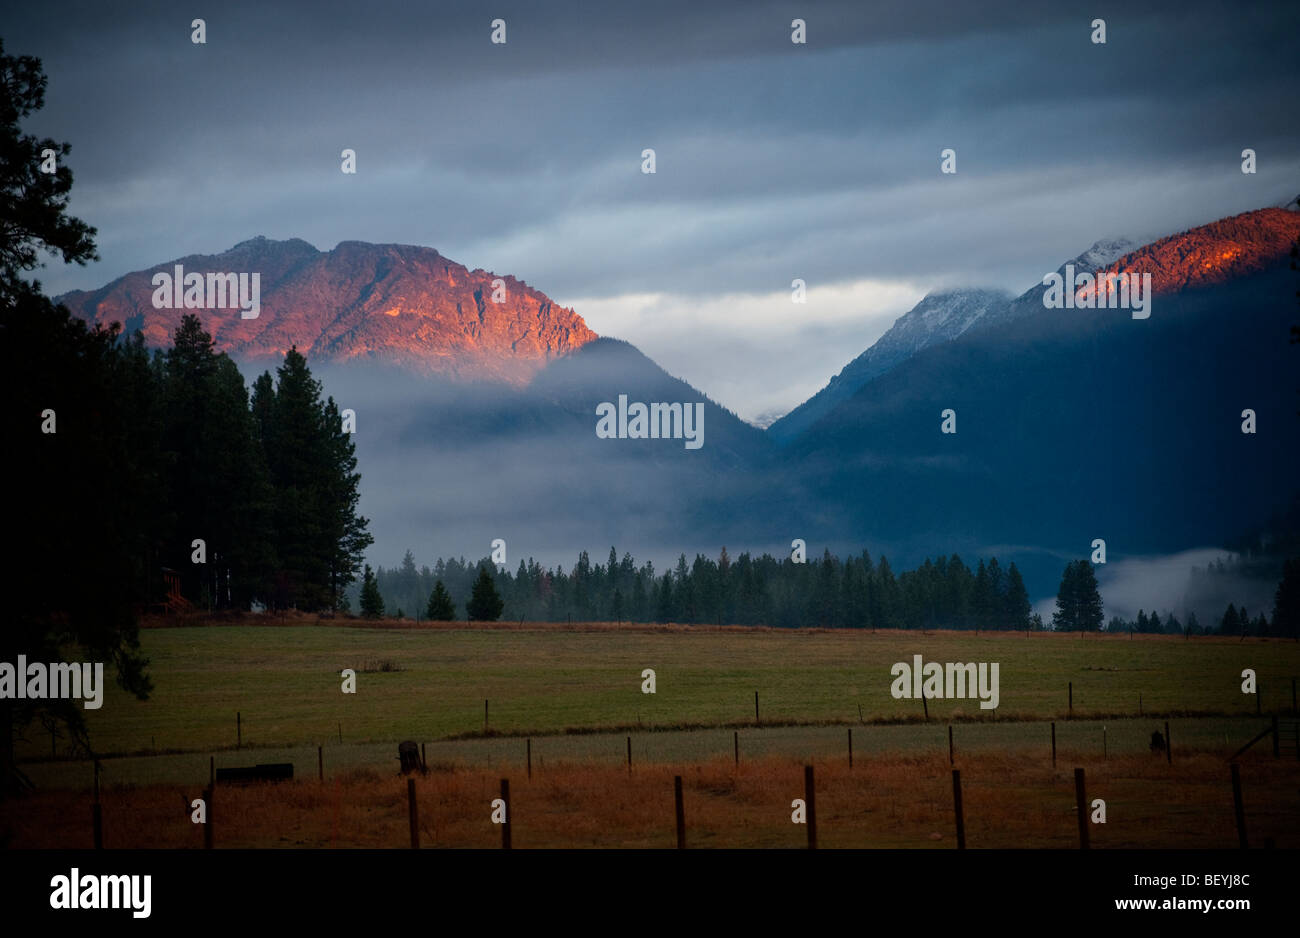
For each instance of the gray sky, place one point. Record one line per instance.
(774, 160)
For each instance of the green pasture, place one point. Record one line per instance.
(285, 683)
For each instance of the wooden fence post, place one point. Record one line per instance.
(956, 804)
(509, 818)
(810, 805)
(96, 814)
(756, 719)
(681, 812)
(207, 827)
(925, 707)
(485, 716)
(414, 813)
(1238, 807)
(629, 755)
(735, 740)
(1081, 798)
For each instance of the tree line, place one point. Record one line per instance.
(853, 592)
(830, 592)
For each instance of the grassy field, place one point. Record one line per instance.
(285, 681)
(575, 693)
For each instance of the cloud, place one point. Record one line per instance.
(762, 351)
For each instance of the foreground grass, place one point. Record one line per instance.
(889, 799)
(285, 682)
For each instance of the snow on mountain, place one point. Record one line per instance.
(939, 317)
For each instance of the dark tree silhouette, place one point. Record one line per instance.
(75, 401)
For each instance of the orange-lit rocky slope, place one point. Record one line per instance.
(392, 303)
(1215, 253)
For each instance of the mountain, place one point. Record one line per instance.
(1101, 255)
(476, 419)
(391, 303)
(1074, 424)
(939, 317)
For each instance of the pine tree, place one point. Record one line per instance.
(1015, 603)
(982, 597)
(319, 537)
(372, 604)
(1066, 617)
(1286, 601)
(996, 596)
(484, 604)
(1231, 623)
(664, 603)
(1091, 614)
(440, 608)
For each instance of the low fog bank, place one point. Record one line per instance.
(1187, 582)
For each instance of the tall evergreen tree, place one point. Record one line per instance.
(1066, 617)
(440, 608)
(319, 537)
(1015, 603)
(1091, 613)
(1286, 601)
(982, 597)
(218, 485)
(372, 603)
(485, 604)
(664, 601)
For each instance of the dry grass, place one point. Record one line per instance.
(887, 800)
